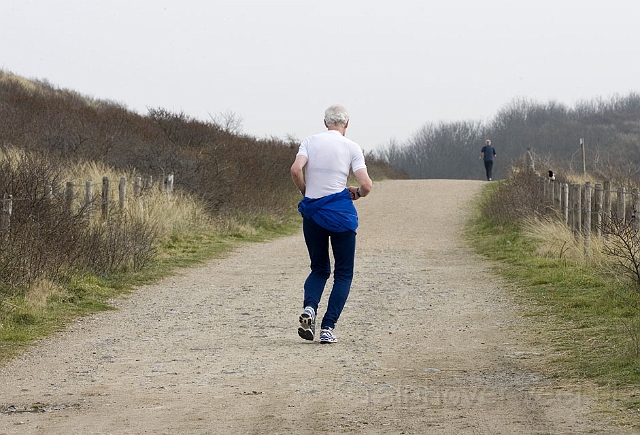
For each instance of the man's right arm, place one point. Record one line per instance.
(297, 173)
(365, 181)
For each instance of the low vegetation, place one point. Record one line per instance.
(60, 260)
(582, 312)
(62, 257)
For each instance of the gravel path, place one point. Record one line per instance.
(428, 343)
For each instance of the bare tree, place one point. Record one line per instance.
(228, 121)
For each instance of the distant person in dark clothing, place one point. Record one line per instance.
(488, 153)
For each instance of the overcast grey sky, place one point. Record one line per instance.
(395, 65)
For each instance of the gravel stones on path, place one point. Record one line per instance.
(429, 342)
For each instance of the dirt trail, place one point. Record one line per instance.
(428, 343)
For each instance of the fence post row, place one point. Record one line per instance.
(6, 202)
(595, 213)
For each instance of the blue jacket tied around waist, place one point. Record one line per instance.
(332, 212)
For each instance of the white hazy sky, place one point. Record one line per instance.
(395, 65)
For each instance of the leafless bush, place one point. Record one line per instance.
(228, 121)
(122, 244)
(623, 246)
(41, 230)
(231, 172)
(46, 238)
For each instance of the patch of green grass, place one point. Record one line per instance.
(587, 321)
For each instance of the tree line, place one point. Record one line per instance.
(551, 132)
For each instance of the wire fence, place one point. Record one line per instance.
(70, 193)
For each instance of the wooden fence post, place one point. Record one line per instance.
(137, 187)
(5, 221)
(622, 207)
(122, 192)
(598, 213)
(105, 198)
(170, 184)
(606, 216)
(88, 199)
(587, 219)
(68, 196)
(565, 203)
(570, 207)
(635, 216)
(576, 207)
(584, 157)
(557, 191)
(530, 161)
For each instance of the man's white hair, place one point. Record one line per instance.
(336, 116)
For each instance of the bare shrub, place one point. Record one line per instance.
(623, 245)
(515, 199)
(42, 231)
(232, 173)
(228, 121)
(47, 238)
(122, 244)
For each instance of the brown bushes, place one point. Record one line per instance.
(232, 173)
(46, 238)
(515, 199)
(60, 134)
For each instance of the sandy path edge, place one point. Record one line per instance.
(429, 342)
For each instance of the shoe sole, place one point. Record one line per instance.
(328, 342)
(305, 330)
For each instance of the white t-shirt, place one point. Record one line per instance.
(329, 158)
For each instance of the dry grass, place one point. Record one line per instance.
(575, 178)
(582, 311)
(29, 85)
(46, 239)
(166, 213)
(12, 155)
(556, 240)
(41, 291)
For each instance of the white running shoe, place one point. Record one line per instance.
(327, 336)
